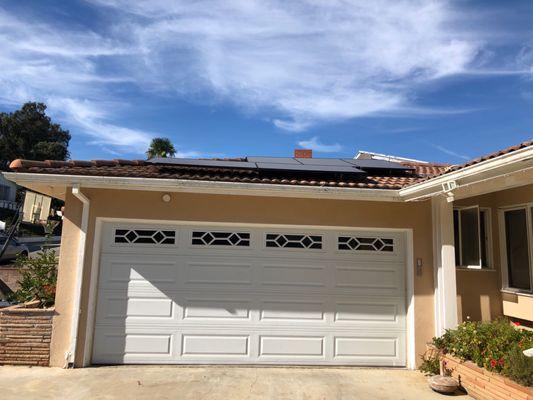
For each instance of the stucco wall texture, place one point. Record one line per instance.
(247, 209)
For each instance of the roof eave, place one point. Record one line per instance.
(28, 179)
(482, 173)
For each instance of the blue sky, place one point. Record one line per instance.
(428, 79)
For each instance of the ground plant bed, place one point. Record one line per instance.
(482, 384)
(25, 334)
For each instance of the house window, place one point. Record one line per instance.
(471, 227)
(518, 230)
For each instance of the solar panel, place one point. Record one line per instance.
(327, 165)
(276, 160)
(203, 163)
(309, 168)
(333, 162)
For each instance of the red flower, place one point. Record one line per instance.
(493, 363)
(516, 323)
(501, 361)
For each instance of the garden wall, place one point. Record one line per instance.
(482, 384)
(25, 336)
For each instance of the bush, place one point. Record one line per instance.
(492, 345)
(39, 277)
(430, 363)
(519, 368)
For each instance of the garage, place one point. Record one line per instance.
(249, 294)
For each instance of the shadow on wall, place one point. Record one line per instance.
(478, 296)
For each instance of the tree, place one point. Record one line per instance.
(29, 133)
(161, 147)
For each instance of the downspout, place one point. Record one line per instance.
(76, 310)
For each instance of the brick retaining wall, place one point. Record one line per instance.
(482, 384)
(25, 336)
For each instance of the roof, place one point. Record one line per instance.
(142, 169)
(362, 154)
(489, 156)
(232, 171)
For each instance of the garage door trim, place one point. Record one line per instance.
(95, 267)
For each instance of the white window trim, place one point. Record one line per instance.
(488, 239)
(503, 246)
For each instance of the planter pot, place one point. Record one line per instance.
(25, 334)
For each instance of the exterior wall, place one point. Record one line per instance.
(479, 293)
(235, 209)
(65, 293)
(25, 336)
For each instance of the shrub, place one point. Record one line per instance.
(38, 278)
(519, 367)
(492, 345)
(430, 363)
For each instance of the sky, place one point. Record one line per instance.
(435, 80)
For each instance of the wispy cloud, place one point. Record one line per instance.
(300, 63)
(449, 152)
(315, 145)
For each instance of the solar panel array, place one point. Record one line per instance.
(325, 165)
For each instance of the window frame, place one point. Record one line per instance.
(503, 246)
(488, 238)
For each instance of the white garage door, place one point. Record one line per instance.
(211, 294)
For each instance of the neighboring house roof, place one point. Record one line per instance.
(142, 169)
(369, 155)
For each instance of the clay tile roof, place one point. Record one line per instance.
(143, 169)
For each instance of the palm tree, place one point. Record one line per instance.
(161, 147)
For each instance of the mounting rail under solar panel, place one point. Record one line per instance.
(204, 163)
(309, 168)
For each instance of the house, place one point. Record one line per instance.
(8, 192)
(284, 260)
(36, 207)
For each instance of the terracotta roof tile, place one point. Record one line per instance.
(142, 169)
(486, 157)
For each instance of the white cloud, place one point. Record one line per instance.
(315, 145)
(306, 61)
(300, 63)
(450, 152)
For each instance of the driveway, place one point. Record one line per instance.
(210, 383)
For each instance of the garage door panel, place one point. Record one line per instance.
(216, 308)
(294, 274)
(122, 270)
(215, 345)
(291, 346)
(218, 273)
(234, 299)
(368, 311)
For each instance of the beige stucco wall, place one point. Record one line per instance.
(237, 209)
(479, 292)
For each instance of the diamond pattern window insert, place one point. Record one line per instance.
(232, 239)
(365, 244)
(144, 236)
(293, 241)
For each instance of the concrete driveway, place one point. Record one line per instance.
(210, 383)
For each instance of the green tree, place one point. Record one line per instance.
(29, 133)
(161, 147)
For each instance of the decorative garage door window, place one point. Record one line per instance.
(145, 236)
(209, 238)
(365, 243)
(293, 241)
